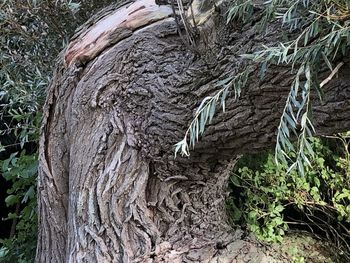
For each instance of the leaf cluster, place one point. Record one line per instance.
(21, 171)
(268, 199)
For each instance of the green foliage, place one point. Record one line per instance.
(289, 121)
(241, 10)
(32, 35)
(261, 206)
(21, 171)
(30, 40)
(321, 196)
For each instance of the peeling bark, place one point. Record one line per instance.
(113, 28)
(109, 187)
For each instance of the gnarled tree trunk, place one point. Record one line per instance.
(122, 95)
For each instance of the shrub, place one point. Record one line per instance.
(270, 201)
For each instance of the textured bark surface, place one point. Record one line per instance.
(109, 187)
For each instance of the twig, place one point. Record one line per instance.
(179, 27)
(334, 71)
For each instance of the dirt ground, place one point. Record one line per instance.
(296, 248)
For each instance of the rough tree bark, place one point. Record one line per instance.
(123, 93)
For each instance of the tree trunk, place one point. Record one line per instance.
(122, 95)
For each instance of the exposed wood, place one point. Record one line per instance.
(113, 28)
